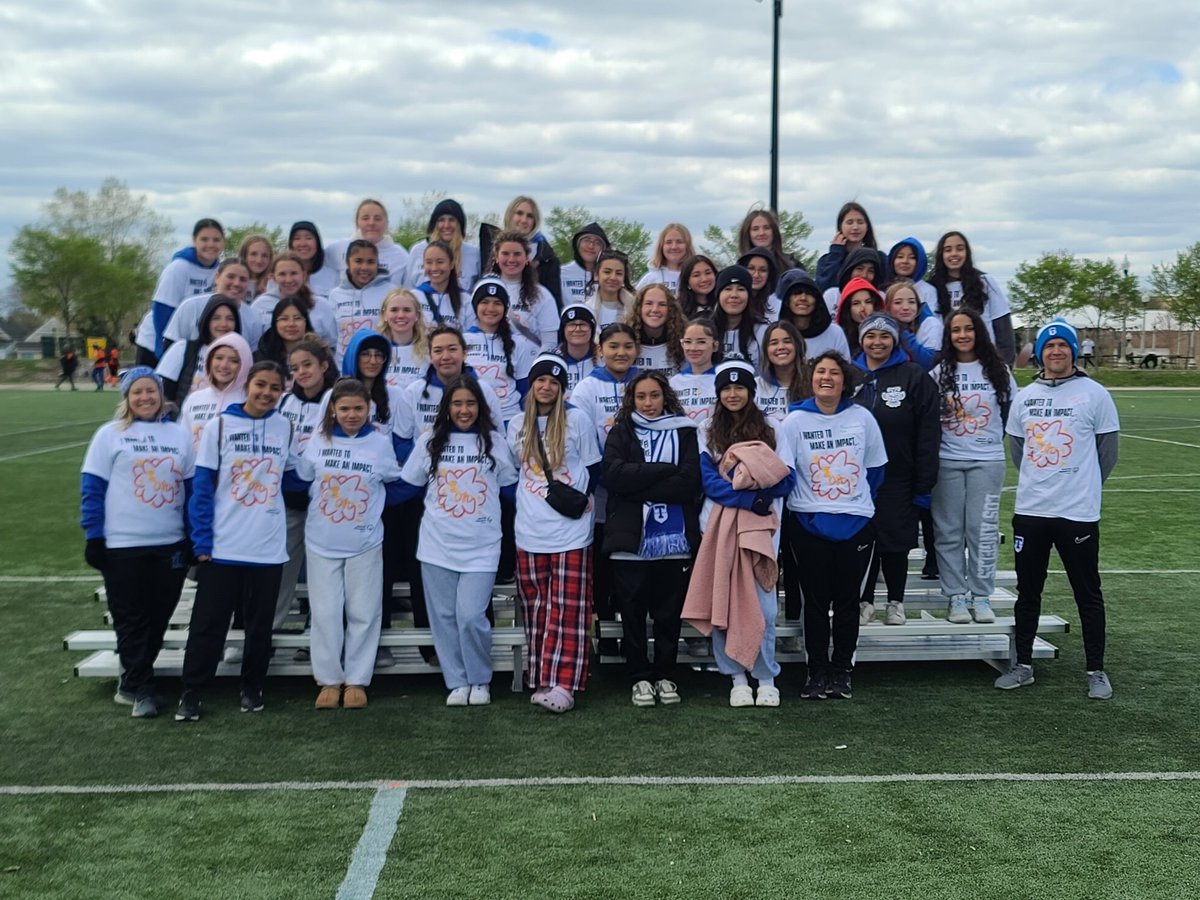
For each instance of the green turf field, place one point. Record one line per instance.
(985, 838)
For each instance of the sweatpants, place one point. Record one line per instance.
(966, 520)
(1078, 546)
(291, 569)
(765, 665)
(602, 577)
(555, 590)
(221, 587)
(654, 587)
(142, 587)
(832, 576)
(401, 533)
(462, 634)
(894, 566)
(793, 602)
(343, 600)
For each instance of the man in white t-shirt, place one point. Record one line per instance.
(1063, 436)
(1087, 352)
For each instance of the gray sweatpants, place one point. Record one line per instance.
(291, 569)
(966, 525)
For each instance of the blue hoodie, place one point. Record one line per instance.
(922, 259)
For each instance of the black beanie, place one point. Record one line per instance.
(448, 207)
(736, 371)
(549, 364)
(318, 260)
(489, 287)
(732, 275)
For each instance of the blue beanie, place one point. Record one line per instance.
(137, 372)
(1057, 327)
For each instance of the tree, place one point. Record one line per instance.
(1042, 290)
(1178, 284)
(57, 275)
(631, 238)
(1103, 291)
(238, 233)
(114, 217)
(722, 244)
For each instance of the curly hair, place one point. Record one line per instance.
(993, 366)
(671, 404)
(673, 328)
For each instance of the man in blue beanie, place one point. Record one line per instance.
(1063, 437)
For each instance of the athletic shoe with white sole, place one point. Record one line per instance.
(124, 698)
(894, 614)
(252, 700)
(667, 690)
(767, 696)
(982, 609)
(189, 707)
(460, 696)
(1019, 675)
(839, 685)
(957, 611)
(145, 707)
(1099, 687)
(643, 694)
(866, 613)
(814, 688)
(481, 695)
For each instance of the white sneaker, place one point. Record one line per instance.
(460, 696)
(866, 613)
(767, 696)
(481, 695)
(982, 607)
(643, 693)
(233, 654)
(957, 611)
(894, 615)
(1099, 687)
(668, 691)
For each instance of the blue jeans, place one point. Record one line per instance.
(462, 635)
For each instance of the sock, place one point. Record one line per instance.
(766, 682)
(740, 680)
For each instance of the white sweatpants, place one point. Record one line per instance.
(348, 588)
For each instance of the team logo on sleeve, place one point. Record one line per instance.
(971, 416)
(833, 476)
(156, 481)
(344, 498)
(1047, 443)
(461, 492)
(254, 481)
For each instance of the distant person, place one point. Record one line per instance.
(99, 367)
(114, 365)
(1063, 438)
(69, 362)
(1087, 350)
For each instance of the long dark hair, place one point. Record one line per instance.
(429, 370)
(800, 386)
(312, 344)
(745, 245)
(974, 291)
(727, 428)
(847, 324)
(688, 298)
(604, 255)
(345, 387)
(271, 345)
(378, 391)
(853, 206)
(671, 404)
(529, 278)
(452, 283)
(439, 435)
(745, 329)
(993, 366)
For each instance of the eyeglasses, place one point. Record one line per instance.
(377, 355)
(577, 325)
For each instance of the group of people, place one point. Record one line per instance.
(458, 416)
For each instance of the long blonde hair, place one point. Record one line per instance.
(420, 340)
(555, 439)
(659, 261)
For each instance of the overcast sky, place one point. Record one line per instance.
(1028, 125)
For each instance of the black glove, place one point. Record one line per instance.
(762, 504)
(95, 553)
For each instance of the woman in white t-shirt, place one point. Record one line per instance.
(532, 310)
(554, 549)
(976, 391)
(401, 322)
(959, 283)
(673, 247)
(658, 322)
(133, 493)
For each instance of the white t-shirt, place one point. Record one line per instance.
(200, 406)
(832, 456)
(574, 279)
(414, 414)
(771, 398)
(485, 354)
(697, 393)
(832, 338)
(356, 309)
(577, 370)
(305, 415)
(346, 497)
(249, 525)
(170, 366)
(393, 260)
(540, 319)
(731, 345)
(468, 265)
(660, 276)
(185, 321)
(1059, 477)
(977, 433)
(783, 449)
(145, 466)
(179, 280)
(404, 368)
(461, 526)
(994, 307)
(538, 528)
(654, 357)
(438, 309)
(322, 317)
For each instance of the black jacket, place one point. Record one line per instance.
(904, 401)
(631, 481)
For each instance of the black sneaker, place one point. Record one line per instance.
(815, 687)
(189, 707)
(839, 685)
(252, 700)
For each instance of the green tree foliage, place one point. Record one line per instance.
(721, 244)
(1059, 282)
(1178, 284)
(113, 216)
(631, 238)
(411, 225)
(238, 233)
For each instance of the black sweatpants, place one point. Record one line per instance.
(602, 578)
(1078, 546)
(790, 566)
(221, 588)
(401, 532)
(832, 575)
(895, 576)
(656, 588)
(142, 586)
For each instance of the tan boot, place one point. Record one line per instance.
(355, 697)
(329, 696)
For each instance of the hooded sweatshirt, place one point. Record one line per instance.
(357, 308)
(324, 277)
(575, 275)
(925, 291)
(322, 315)
(395, 396)
(182, 365)
(853, 260)
(468, 254)
(820, 334)
(768, 301)
(185, 323)
(182, 277)
(202, 405)
(419, 405)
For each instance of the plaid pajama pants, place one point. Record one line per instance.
(555, 590)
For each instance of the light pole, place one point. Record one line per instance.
(778, 14)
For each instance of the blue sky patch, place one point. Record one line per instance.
(529, 38)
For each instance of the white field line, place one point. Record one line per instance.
(591, 781)
(1151, 491)
(47, 579)
(1134, 571)
(1170, 428)
(371, 852)
(1138, 437)
(24, 431)
(4, 459)
(1154, 475)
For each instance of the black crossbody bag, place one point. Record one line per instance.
(563, 499)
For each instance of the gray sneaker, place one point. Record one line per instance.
(981, 607)
(145, 708)
(866, 613)
(1018, 676)
(895, 614)
(1099, 687)
(957, 611)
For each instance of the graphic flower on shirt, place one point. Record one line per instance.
(535, 478)
(343, 498)
(254, 481)
(1047, 443)
(834, 475)
(461, 492)
(156, 481)
(493, 374)
(972, 415)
